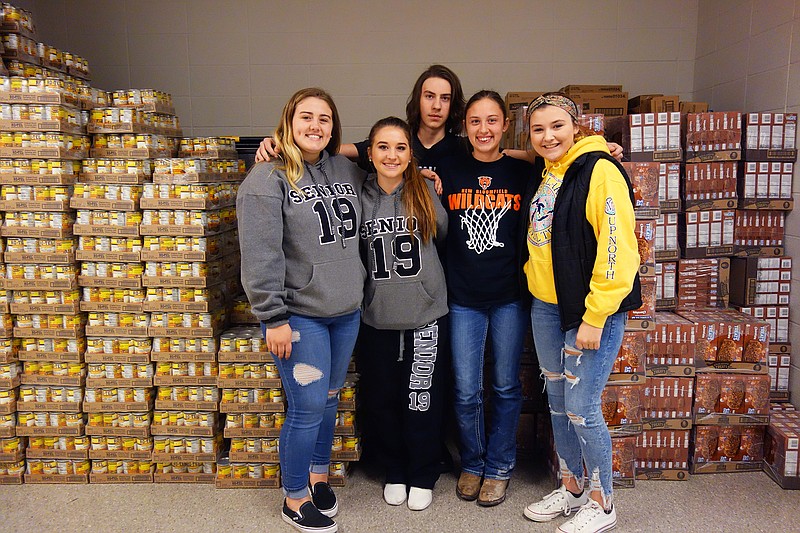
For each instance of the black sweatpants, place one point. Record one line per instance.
(403, 399)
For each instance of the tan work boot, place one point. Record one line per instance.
(468, 486)
(493, 492)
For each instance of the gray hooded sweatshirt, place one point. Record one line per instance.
(406, 287)
(294, 257)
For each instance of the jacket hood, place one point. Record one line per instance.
(371, 186)
(592, 143)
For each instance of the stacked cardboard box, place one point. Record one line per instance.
(782, 447)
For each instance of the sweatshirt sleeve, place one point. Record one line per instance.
(263, 265)
(610, 212)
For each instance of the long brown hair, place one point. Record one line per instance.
(415, 196)
(292, 158)
(455, 119)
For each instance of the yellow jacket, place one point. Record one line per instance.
(617, 258)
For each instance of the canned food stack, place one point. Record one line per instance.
(21, 51)
(41, 275)
(120, 394)
(253, 403)
(12, 447)
(191, 268)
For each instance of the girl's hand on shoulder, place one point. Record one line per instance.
(433, 176)
(616, 150)
(279, 341)
(267, 150)
(588, 337)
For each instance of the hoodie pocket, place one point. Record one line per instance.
(335, 288)
(399, 305)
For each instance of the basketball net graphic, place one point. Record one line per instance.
(482, 226)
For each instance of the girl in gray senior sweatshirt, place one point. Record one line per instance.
(403, 352)
(298, 230)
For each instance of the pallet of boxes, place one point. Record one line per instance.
(42, 138)
(246, 369)
(191, 261)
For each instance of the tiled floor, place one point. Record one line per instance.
(741, 502)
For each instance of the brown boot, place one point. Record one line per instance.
(493, 492)
(468, 486)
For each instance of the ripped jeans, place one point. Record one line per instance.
(311, 379)
(574, 382)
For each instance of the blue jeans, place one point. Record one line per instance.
(575, 380)
(489, 453)
(311, 379)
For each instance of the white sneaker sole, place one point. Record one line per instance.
(530, 515)
(330, 513)
(330, 529)
(607, 527)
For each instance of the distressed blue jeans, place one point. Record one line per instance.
(311, 379)
(574, 381)
(491, 452)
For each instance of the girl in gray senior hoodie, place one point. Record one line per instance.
(298, 230)
(403, 356)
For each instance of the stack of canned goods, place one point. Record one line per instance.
(207, 147)
(140, 98)
(53, 467)
(40, 167)
(69, 145)
(120, 371)
(242, 471)
(193, 165)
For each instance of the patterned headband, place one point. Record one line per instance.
(556, 100)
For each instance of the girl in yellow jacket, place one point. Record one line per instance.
(582, 270)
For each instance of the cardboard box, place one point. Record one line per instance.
(703, 283)
(713, 136)
(647, 136)
(144, 455)
(770, 136)
(117, 358)
(59, 258)
(609, 104)
(189, 405)
(623, 461)
(34, 453)
(666, 285)
(671, 346)
(642, 318)
(108, 178)
(270, 407)
(781, 449)
(622, 408)
(707, 233)
(693, 107)
(72, 479)
(665, 451)
(760, 280)
(719, 448)
(653, 103)
(745, 395)
(36, 233)
(118, 431)
(668, 398)
(645, 178)
(120, 478)
(159, 477)
(48, 431)
(181, 357)
(252, 432)
(629, 365)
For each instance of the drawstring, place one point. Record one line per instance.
(335, 194)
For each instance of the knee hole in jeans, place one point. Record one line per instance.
(576, 419)
(571, 379)
(332, 393)
(305, 374)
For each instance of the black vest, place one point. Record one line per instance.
(573, 245)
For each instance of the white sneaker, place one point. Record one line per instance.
(557, 503)
(419, 499)
(394, 493)
(591, 519)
